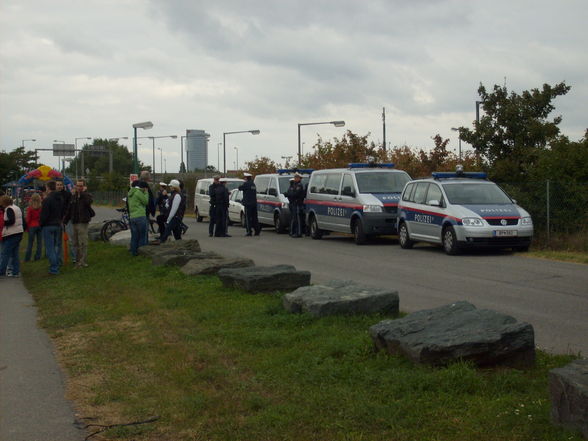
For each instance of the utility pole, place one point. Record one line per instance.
(384, 127)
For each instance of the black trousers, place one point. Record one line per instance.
(160, 219)
(220, 214)
(251, 221)
(211, 220)
(296, 219)
(175, 227)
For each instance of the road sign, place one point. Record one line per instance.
(97, 150)
(64, 150)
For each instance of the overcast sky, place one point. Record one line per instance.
(72, 69)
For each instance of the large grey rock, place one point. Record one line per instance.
(122, 238)
(568, 388)
(170, 247)
(265, 278)
(181, 258)
(341, 297)
(458, 331)
(212, 266)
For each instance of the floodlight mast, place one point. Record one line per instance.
(142, 125)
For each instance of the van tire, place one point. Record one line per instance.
(404, 237)
(359, 235)
(449, 240)
(315, 232)
(278, 224)
(197, 214)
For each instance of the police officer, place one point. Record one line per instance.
(250, 204)
(221, 212)
(296, 194)
(212, 211)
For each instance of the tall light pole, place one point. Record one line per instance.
(76, 152)
(153, 138)
(478, 110)
(335, 123)
(253, 132)
(455, 129)
(59, 161)
(24, 140)
(237, 151)
(160, 159)
(143, 125)
(218, 156)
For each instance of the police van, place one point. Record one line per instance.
(202, 198)
(272, 204)
(361, 199)
(459, 210)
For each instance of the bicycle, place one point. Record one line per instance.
(113, 226)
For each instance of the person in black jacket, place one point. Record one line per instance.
(51, 223)
(212, 212)
(296, 194)
(176, 208)
(250, 204)
(65, 196)
(80, 213)
(221, 200)
(160, 202)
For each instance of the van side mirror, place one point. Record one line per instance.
(273, 192)
(434, 203)
(347, 191)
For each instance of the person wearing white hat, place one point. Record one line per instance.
(250, 204)
(296, 194)
(177, 207)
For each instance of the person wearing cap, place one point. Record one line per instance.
(212, 211)
(177, 207)
(221, 199)
(160, 201)
(250, 204)
(296, 194)
(143, 182)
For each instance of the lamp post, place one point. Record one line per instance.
(253, 132)
(153, 138)
(76, 152)
(160, 159)
(146, 126)
(287, 159)
(478, 110)
(59, 161)
(455, 129)
(24, 140)
(218, 156)
(237, 162)
(335, 123)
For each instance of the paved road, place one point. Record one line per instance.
(552, 296)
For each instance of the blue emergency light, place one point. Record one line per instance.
(302, 171)
(450, 175)
(370, 165)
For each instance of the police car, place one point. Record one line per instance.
(458, 210)
(272, 204)
(202, 198)
(361, 199)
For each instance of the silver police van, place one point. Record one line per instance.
(272, 204)
(202, 198)
(459, 210)
(361, 199)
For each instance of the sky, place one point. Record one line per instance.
(77, 69)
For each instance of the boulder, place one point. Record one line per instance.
(568, 388)
(122, 238)
(341, 297)
(458, 331)
(264, 278)
(181, 258)
(212, 266)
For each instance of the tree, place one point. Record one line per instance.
(16, 163)
(99, 163)
(514, 129)
(261, 165)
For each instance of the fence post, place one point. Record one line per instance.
(548, 223)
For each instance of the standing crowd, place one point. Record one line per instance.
(50, 218)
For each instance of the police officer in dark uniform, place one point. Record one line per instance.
(221, 212)
(212, 211)
(296, 194)
(250, 204)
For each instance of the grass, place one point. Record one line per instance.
(564, 256)
(219, 364)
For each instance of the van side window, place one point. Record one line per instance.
(318, 183)
(420, 193)
(332, 183)
(273, 185)
(434, 193)
(261, 183)
(347, 188)
(407, 193)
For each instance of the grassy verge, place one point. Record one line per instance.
(219, 364)
(564, 256)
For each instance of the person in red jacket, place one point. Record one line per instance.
(33, 222)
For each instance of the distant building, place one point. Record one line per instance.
(196, 149)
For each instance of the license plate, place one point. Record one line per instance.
(503, 233)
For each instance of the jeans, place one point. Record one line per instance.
(10, 253)
(35, 234)
(174, 226)
(52, 239)
(138, 233)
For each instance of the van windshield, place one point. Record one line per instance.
(285, 182)
(381, 182)
(231, 185)
(475, 194)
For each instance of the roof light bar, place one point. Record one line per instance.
(303, 171)
(370, 165)
(453, 175)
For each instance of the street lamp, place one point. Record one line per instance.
(59, 161)
(237, 151)
(76, 153)
(478, 110)
(153, 139)
(455, 129)
(160, 159)
(23, 141)
(253, 132)
(335, 123)
(218, 156)
(145, 126)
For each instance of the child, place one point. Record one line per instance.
(33, 221)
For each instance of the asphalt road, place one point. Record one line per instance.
(552, 296)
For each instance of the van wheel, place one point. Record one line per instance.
(197, 214)
(278, 224)
(315, 231)
(358, 233)
(521, 249)
(404, 238)
(450, 241)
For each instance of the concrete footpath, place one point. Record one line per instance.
(32, 392)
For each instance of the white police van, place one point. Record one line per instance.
(202, 198)
(361, 199)
(272, 204)
(458, 210)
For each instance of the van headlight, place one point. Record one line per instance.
(285, 205)
(472, 222)
(526, 221)
(372, 208)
